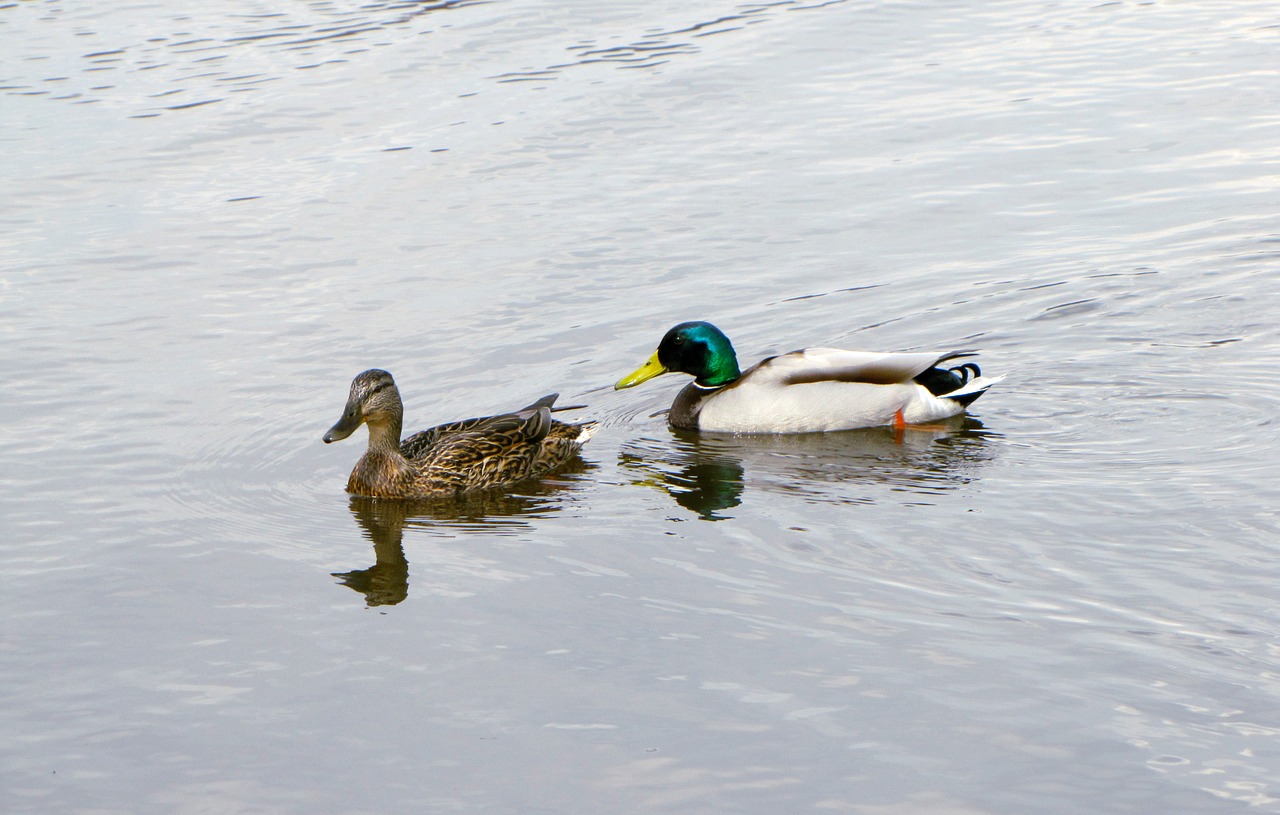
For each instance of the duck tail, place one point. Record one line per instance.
(969, 392)
(585, 431)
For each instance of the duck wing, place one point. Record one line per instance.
(497, 450)
(810, 365)
(419, 444)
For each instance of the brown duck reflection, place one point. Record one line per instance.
(707, 473)
(383, 521)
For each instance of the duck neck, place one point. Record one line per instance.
(384, 437)
(715, 361)
(721, 370)
(382, 470)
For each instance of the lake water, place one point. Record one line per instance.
(212, 216)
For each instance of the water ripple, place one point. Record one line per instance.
(659, 46)
(208, 54)
(196, 58)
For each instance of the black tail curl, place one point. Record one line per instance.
(967, 372)
(941, 381)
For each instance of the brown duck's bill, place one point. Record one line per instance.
(348, 424)
(644, 373)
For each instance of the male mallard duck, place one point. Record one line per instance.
(473, 454)
(806, 391)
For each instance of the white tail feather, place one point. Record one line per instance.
(975, 385)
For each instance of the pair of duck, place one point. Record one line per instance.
(806, 391)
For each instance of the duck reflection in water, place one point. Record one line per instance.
(699, 479)
(383, 521)
(707, 473)
(386, 582)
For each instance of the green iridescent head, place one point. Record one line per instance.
(696, 348)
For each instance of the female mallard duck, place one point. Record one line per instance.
(806, 391)
(473, 454)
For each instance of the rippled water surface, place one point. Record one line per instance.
(213, 215)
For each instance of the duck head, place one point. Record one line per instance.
(374, 400)
(697, 348)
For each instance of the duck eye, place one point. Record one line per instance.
(678, 339)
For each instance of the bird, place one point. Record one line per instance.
(806, 391)
(453, 458)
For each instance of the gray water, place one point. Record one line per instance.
(213, 215)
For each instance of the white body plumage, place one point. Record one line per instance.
(826, 389)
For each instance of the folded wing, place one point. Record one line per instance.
(811, 365)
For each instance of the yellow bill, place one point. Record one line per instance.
(644, 373)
